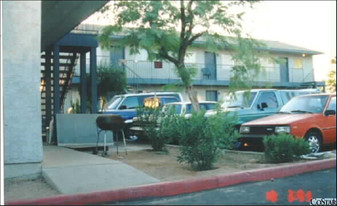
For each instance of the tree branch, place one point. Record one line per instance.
(165, 55)
(189, 42)
(182, 20)
(190, 15)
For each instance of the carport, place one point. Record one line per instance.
(39, 33)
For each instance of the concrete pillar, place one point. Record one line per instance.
(21, 88)
(83, 82)
(93, 80)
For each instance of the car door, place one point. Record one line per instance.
(268, 99)
(329, 129)
(127, 108)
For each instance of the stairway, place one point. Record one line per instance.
(66, 70)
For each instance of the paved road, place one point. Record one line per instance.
(316, 184)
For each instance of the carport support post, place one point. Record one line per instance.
(93, 80)
(83, 83)
(48, 86)
(56, 77)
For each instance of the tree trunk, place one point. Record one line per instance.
(192, 95)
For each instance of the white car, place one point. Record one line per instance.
(186, 108)
(180, 108)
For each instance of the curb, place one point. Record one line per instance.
(181, 187)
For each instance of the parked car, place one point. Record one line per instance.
(126, 105)
(180, 108)
(312, 117)
(260, 103)
(186, 108)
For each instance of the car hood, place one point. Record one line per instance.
(281, 119)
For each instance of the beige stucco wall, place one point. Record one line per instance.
(21, 87)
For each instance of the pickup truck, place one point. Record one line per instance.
(258, 103)
(126, 105)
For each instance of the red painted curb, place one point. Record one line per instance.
(181, 187)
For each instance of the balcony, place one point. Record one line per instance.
(146, 72)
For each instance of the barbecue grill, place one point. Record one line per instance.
(113, 123)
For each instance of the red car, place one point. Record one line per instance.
(312, 117)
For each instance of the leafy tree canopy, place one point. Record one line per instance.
(167, 29)
(331, 82)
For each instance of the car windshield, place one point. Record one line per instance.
(305, 104)
(113, 103)
(175, 107)
(242, 99)
(203, 106)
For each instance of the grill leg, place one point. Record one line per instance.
(104, 147)
(126, 152)
(98, 132)
(117, 141)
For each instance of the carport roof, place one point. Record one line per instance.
(60, 17)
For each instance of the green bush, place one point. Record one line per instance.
(154, 124)
(284, 148)
(202, 138)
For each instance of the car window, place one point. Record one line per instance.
(142, 98)
(332, 105)
(130, 102)
(208, 106)
(240, 99)
(165, 100)
(269, 98)
(113, 103)
(312, 104)
(203, 106)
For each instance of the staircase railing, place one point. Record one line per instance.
(69, 75)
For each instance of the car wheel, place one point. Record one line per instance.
(314, 140)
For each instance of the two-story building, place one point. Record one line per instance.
(213, 69)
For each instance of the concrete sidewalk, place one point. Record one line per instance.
(74, 172)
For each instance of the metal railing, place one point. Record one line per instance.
(145, 72)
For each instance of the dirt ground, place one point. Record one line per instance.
(165, 167)
(26, 189)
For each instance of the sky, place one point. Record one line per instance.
(308, 24)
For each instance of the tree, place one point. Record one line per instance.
(167, 29)
(331, 82)
(112, 81)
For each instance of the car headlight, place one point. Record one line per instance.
(244, 129)
(284, 129)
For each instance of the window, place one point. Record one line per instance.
(130, 103)
(314, 104)
(298, 64)
(332, 105)
(158, 65)
(212, 95)
(269, 98)
(116, 54)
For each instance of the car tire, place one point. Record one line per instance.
(315, 141)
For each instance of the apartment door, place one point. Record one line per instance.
(284, 70)
(210, 65)
(211, 95)
(116, 53)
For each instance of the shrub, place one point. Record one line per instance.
(154, 124)
(284, 148)
(201, 138)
